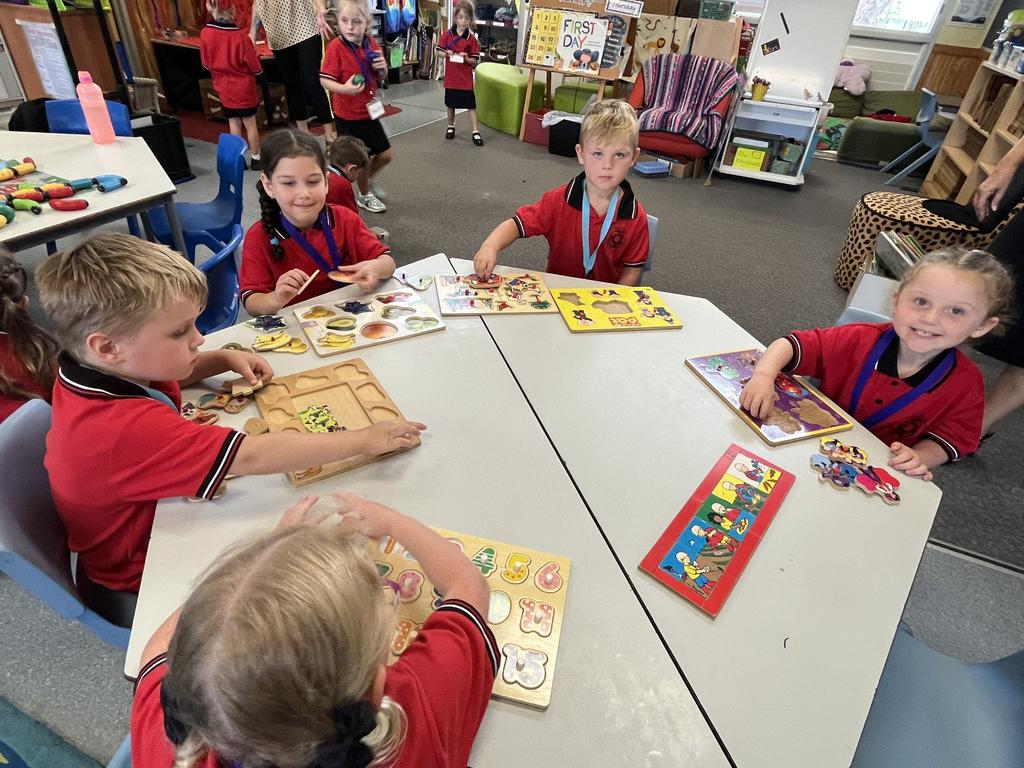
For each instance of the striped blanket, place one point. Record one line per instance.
(681, 93)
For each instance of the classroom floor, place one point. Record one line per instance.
(762, 253)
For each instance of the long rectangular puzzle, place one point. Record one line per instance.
(614, 309)
(702, 553)
(507, 294)
(800, 411)
(528, 590)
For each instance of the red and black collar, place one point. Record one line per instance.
(228, 26)
(282, 234)
(627, 205)
(455, 32)
(888, 364)
(93, 383)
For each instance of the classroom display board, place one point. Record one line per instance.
(799, 412)
(702, 553)
(614, 309)
(528, 591)
(507, 294)
(576, 39)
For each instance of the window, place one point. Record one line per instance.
(914, 16)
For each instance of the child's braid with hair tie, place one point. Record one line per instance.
(270, 217)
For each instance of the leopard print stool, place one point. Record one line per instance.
(879, 211)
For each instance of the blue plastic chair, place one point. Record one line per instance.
(930, 142)
(33, 541)
(66, 116)
(218, 216)
(221, 271)
(123, 757)
(935, 711)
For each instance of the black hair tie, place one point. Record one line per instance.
(346, 750)
(176, 730)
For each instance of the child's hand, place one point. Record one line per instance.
(387, 436)
(484, 261)
(758, 395)
(288, 285)
(354, 86)
(362, 273)
(368, 517)
(302, 513)
(249, 366)
(380, 65)
(905, 459)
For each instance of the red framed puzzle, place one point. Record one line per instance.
(702, 553)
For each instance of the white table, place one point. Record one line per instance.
(71, 156)
(788, 669)
(617, 698)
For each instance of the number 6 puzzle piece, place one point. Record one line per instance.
(877, 480)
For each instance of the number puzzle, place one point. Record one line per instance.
(702, 553)
(614, 309)
(800, 411)
(516, 293)
(528, 591)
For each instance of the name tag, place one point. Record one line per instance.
(376, 108)
(457, 58)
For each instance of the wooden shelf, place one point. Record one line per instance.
(986, 167)
(1001, 71)
(1006, 136)
(971, 122)
(960, 159)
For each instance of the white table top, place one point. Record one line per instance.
(788, 669)
(73, 156)
(636, 713)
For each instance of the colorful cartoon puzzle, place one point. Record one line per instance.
(702, 553)
(339, 397)
(517, 293)
(614, 309)
(366, 320)
(528, 591)
(843, 466)
(800, 411)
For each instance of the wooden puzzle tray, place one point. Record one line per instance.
(516, 293)
(353, 399)
(528, 590)
(623, 308)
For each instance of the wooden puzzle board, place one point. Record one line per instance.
(702, 553)
(519, 293)
(614, 309)
(528, 591)
(349, 389)
(800, 411)
(368, 320)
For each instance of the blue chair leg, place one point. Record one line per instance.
(51, 248)
(123, 757)
(914, 166)
(133, 226)
(895, 163)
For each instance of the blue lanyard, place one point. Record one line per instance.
(901, 402)
(305, 245)
(362, 54)
(589, 257)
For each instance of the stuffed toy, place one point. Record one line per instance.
(853, 77)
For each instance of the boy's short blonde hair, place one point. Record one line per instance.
(609, 120)
(112, 283)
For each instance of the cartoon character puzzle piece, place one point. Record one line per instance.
(877, 480)
(490, 282)
(838, 451)
(837, 473)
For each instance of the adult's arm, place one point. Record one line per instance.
(990, 192)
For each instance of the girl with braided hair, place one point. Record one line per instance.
(299, 232)
(27, 352)
(277, 658)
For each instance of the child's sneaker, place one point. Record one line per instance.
(478, 139)
(450, 132)
(254, 164)
(370, 202)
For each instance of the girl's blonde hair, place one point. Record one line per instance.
(29, 343)
(275, 651)
(362, 5)
(995, 280)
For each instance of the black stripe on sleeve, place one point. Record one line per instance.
(470, 613)
(221, 465)
(519, 225)
(153, 663)
(948, 447)
(798, 354)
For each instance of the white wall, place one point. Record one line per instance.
(895, 64)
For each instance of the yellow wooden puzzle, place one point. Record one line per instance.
(614, 309)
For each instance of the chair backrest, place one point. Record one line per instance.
(652, 234)
(66, 116)
(33, 541)
(231, 170)
(929, 106)
(221, 271)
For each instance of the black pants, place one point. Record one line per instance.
(299, 66)
(1008, 247)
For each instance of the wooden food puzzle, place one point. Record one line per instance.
(843, 466)
(800, 411)
(338, 397)
(366, 320)
(508, 294)
(614, 309)
(528, 592)
(702, 553)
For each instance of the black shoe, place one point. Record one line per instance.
(254, 164)
(478, 139)
(450, 133)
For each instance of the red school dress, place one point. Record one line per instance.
(458, 76)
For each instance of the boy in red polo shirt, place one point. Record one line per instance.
(347, 157)
(613, 246)
(228, 52)
(124, 312)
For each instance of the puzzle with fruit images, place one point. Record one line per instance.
(800, 411)
(614, 309)
(507, 294)
(528, 590)
(366, 320)
(339, 397)
(844, 466)
(702, 553)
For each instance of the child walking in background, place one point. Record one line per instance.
(278, 655)
(906, 380)
(461, 50)
(27, 353)
(353, 62)
(228, 52)
(299, 233)
(347, 157)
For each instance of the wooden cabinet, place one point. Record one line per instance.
(989, 122)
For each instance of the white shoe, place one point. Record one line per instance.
(378, 191)
(371, 203)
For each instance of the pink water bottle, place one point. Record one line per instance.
(90, 96)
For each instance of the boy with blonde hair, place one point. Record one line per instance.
(124, 312)
(613, 245)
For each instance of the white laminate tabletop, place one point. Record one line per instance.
(788, 669)
(617, 698)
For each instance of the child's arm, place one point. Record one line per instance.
(445, 565)
(288, 286)
(251, 367)
(917, 461)
(758, 394)
(366, 274)
(631, 276)
(161, 639)
(348, 88)
(501, 238)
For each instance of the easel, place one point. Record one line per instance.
(603, 76)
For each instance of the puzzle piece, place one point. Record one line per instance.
(319, 419)
(877, 480)
(516, 568)
(499, 607)
(316, 312)
(410, 584)
(484, 283)
(270, 341)
(342, 324)
(537, 616)
(266, 323)
(354, 307)
(523, 666)
(838, 451)
(417, 282)
(548, 579)
(294, 346)
(336, 340)
(405, 632)
(837, 473)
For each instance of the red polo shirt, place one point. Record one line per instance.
(15, 371)
(459, 76)
(229, 54)
(339, 190)
(260, 270)
(949, 413)
(341, 61)
(114, 449)
(558, 216)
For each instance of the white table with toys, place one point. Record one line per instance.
(485, 469)
(787, 669)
